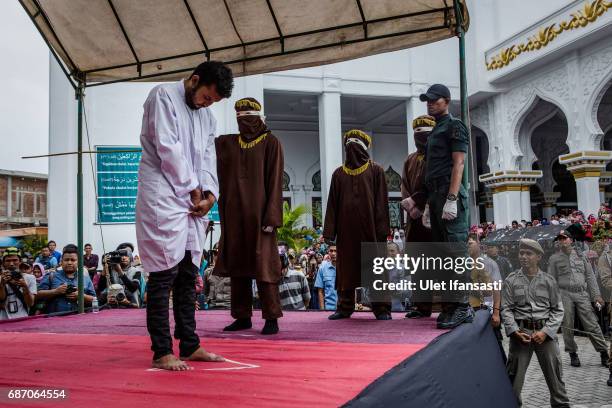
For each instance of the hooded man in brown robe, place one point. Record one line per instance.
(414, 200)
(357, 211)
(250, 170)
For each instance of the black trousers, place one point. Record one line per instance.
(242, 299)
(181, 281)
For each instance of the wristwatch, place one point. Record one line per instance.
(451, 197)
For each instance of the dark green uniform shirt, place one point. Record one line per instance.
(448, 136)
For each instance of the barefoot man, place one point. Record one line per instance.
(177, 186)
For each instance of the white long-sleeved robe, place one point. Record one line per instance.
(178, 155)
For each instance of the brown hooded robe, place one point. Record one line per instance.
(250, 198)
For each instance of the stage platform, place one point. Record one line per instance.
(103, 360)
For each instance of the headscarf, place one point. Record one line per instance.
(356, 144)
(42, 270)
(249, 118)
(425, 125)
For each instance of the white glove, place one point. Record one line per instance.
(449, 212)
(408, 204)
(425, 219)
(415, 213)
(267, 229)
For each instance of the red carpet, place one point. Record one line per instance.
(111, 371)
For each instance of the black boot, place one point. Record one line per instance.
(271, 327)
(239, 324)
(338, 316)
(462, 314)
(384, 316)
(414, 314)
(604, 358)
(610, 379)
(574, 360)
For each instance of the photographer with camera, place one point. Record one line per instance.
(17, 289)
(119, 284)
(59, 288)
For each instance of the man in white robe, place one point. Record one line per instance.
(177, 186)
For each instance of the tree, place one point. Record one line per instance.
(293, 231)
(33, 244)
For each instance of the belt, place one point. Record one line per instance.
(531, 324)
(438, 183)
(574, 289)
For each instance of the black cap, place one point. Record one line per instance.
(563, 234)
(435, 92)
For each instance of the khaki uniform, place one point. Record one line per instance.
(217, 290)
(604, 266)
(532, 306)
(578, 286)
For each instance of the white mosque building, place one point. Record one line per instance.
(539, 84)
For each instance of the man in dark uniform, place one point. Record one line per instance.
(250, 170)
(357, 211)
(447, 146)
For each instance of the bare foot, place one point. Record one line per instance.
(172, 363)
(203, 355)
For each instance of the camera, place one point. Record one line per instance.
(16, 275)
(71, 289)
(117, 291)
(114, 257)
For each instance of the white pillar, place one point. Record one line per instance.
(587, 190)
(414, 108)
(308, 202)
(587, 167)
(330, 140)
(549, 204)
(505, 206)
(61, 186)
(525, 203)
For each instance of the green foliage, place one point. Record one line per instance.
(33, 244)
(292, 231)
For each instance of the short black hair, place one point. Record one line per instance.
(126, 245)
(70, 249)
(217, 73)
(49, 243)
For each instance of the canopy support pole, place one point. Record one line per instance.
(468, 179)
(80, 93)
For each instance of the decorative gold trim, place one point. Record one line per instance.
(586, 172)
(580, 18)
(246, 103)
(248, 145)
(503, 189)
(358, 133)
(524, 188)
(357, 171)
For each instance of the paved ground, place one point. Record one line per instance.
(586, 385)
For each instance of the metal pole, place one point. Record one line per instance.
(79, 95)
(468, 179)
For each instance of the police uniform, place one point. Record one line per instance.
(532, 305)
(448, 136)
(576, 280)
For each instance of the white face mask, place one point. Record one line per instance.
(251, 113)
(358, 141)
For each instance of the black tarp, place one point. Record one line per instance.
(462, 368)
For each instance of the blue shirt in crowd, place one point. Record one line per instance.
(57, 255)
(48, 262)
(326, 280)
(55, 279)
